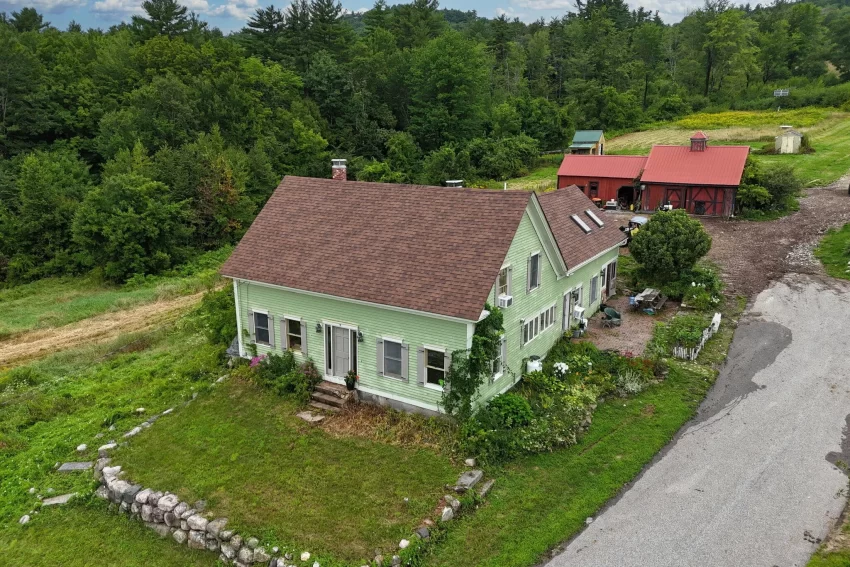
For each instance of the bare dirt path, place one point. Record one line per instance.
(753, 254)
(102, 328)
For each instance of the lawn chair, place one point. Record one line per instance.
(611, 318)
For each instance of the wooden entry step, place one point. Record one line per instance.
(329, 397)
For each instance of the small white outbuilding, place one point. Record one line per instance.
(789, 141)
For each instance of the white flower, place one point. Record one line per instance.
(693, 284)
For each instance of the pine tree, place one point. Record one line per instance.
(165, 17)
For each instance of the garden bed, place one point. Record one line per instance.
(242, 449)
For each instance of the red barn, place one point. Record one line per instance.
(699, 178)
(602, 177)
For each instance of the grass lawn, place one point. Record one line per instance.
(834, 252)
(53, 302)
(541, 501)
(49, 407)
(80, 536)
(243, 450)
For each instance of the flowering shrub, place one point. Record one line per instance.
(281, 373)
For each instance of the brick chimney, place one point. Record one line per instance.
(339, 170)
(699, 141)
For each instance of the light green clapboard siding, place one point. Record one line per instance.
(372, 321)
(528, 305)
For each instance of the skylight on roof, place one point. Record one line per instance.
(581, 223)
(595, 219)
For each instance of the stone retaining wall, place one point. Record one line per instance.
(190, 525)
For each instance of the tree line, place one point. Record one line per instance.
(129, 150)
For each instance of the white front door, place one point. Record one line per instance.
(340, 352)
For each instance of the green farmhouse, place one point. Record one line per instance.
(388, 280)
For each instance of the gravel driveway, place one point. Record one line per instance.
(751, 481)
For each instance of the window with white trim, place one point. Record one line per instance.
(594, 289)
(499, 361)
(534, 271)
(541, 322)
(503, 286)
(261, 328)
(392, 358)
(293, 334)
(435, 367)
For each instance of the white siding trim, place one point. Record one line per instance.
(357, 301)
(470, 331)
(238, 318)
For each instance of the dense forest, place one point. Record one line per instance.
(129, 150)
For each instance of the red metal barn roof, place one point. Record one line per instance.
(623, 167)
(717, 165)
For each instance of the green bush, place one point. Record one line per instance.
(513, 410)
(683, 331)
(217, 316)
(669, 245)
(282, 374)
(698, 277)
(21, 377)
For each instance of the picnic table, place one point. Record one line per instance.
(650, 298)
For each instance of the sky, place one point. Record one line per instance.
(230, 15)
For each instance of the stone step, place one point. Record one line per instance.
(76, 466)
(324, 407)
(331, 389)
(328, 400)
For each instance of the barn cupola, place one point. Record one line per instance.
(699, 141)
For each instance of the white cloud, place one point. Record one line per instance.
(670, 12)
(545, 4)
(510, 13)
(196, 5)
(240, 9)
(51, 6)
(118, 7)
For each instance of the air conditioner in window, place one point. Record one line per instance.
(505, 301)
(578, 312)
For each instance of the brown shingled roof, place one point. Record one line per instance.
(575, 245)
(431, 249)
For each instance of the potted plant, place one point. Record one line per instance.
(351, 379)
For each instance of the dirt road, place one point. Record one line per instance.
(101, 328)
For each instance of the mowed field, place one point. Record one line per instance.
(830, 138)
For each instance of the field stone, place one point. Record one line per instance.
(184, 525)
(180, 508)
(197, 540)
(81, 448)
(212, 543)
(468, 479)
(396, 560)
(180, 536)
(469, 462)
(124, 507)
(197, 522)
(171, 520)
(142, 496)
(236, 541)
(423, 533)
(225, 535)
(110, 472)
(147, 513)
(130, 494)
(185, 515)
(168, 502)
(453, 502)
(99, 435)
(228, 551)
(24, 519)
(133, 432)
(160, 529)
(135, 508)
(214, 527)
(403, 544)
(486, 487)
(245, 555)
(102, 492)
(153, 498)
(305, 556)
(447, 514)
(252, 542)
(158, 516)
(261, 555)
